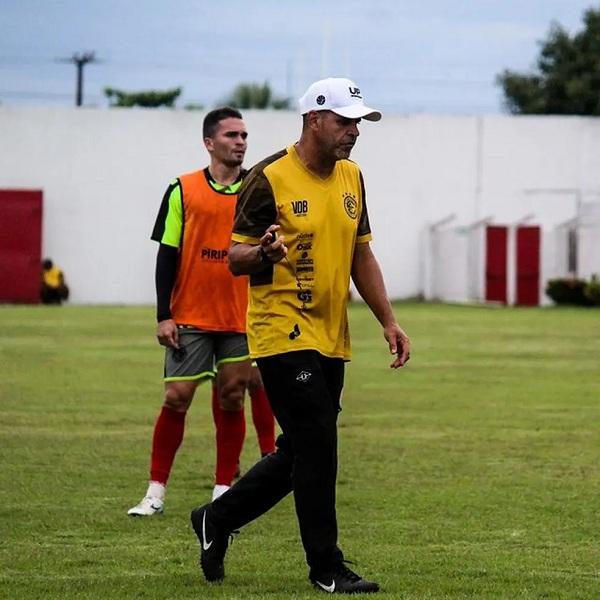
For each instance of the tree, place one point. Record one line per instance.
(148, 98)
(255, 95)
(567, 78)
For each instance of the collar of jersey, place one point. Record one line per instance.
(322, 182)
(232, 188)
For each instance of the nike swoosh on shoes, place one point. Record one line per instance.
(213, 542)
(147, 507)
(343, 581)
(205, 544)
(327, 588)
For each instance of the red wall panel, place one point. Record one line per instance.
(528, 265)
(20, 245)
(495, 263)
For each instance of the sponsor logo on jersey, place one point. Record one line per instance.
(300, 207)
(305, 296)
(309, 281)
(305, 259)
(212, 254)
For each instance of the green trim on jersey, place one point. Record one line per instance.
(174, 220)
(222, 188)
(232, 188)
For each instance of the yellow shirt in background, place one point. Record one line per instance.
(53, 277)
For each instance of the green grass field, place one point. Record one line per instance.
(472, 473)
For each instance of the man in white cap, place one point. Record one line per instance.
(301, 230)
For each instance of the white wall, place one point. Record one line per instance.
(103, 173)
(589, 240)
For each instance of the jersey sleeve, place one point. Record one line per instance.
(255, 209)
(169, 222)
(364, 227)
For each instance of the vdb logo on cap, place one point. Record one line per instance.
(339, 95)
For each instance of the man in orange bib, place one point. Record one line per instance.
(201, 312)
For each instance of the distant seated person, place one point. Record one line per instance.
(54, 289)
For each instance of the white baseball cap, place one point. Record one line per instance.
(339, 95)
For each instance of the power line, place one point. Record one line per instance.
(35, 95)
(205, 63)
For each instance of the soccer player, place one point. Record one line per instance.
(201, 312)
(53, 290)
(301, 231)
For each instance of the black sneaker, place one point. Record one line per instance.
(213, 543)
(343, 581)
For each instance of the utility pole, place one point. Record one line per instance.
(80, 60)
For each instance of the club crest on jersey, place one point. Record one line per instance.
(300, 207)
(350, 206)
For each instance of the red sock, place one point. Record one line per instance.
(231, 431)
(168, 434)
(263, 420)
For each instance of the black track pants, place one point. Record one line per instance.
(304, 389)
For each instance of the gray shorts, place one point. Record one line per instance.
(201, 353)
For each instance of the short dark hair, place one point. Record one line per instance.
(214, 117)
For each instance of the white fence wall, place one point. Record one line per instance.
(588, 230)
(103, 173)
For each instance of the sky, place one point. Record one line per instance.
(407, 56)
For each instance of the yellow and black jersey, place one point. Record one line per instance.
(300, 302)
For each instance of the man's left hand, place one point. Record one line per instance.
(399, 344)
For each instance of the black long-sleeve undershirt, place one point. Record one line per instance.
(167, 260)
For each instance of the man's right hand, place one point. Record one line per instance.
(273, 244)
(167, 334)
